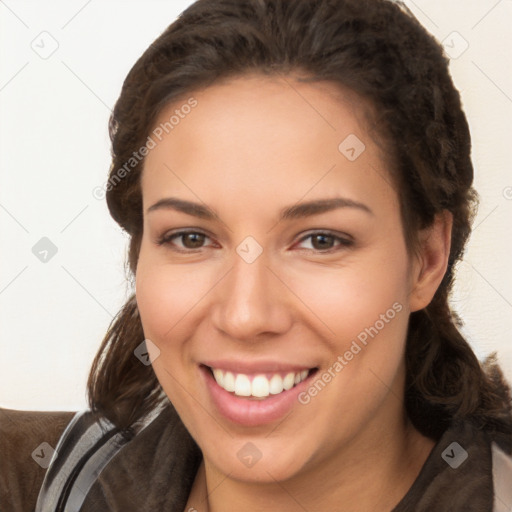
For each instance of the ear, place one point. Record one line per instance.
(431, 261)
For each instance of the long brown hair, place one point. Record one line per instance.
(377, 49)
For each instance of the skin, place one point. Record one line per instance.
(253, 146)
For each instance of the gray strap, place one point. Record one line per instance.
(80, 436)
(502, 478)
(93, 467)
(77, 446)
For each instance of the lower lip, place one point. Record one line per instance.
(252, 413)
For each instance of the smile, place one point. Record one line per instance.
(252, 395)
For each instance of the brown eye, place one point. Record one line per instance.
(325, 242)
(322, 242)
(184, 240)
(193, 240)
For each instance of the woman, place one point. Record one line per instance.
(295, 178)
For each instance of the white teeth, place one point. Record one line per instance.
(219, 376)
(242, 385)
(276, 385)
(289, 381)
(260, 386)
(228, 382)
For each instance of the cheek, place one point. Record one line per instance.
(355, 296)
(166, 294)
(366, 313)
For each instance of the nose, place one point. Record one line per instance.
(251, 302)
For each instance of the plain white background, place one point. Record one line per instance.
(54, 152)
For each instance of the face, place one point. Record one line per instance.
(273, 275)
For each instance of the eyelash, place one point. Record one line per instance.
(342, 242)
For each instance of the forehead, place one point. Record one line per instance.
(263, 136)
(251, 102)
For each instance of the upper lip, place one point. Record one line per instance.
(249, 367)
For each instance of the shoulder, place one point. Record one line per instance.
(27, 443)
(96, 462)
(466, 470)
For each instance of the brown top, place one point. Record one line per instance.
(155, 470)
(23, 456)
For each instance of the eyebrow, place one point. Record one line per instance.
(188, 207)
(321, 206)
(296, 211)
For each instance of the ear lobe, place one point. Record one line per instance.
(432, 260)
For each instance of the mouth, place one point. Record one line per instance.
(255, 398)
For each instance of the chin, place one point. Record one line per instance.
(257, 459)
